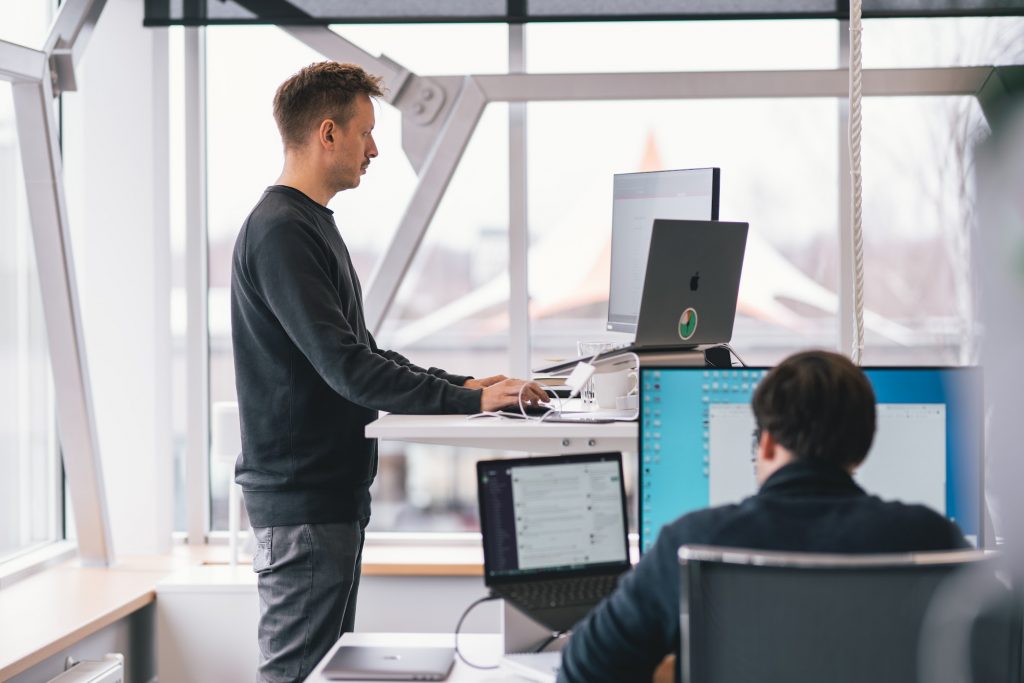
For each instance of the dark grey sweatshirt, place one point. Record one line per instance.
(308, 373)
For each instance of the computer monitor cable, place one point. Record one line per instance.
(458, 627)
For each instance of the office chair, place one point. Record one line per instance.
(772, 617)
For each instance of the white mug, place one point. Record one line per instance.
(609, 386)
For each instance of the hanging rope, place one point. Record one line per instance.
(854, 141)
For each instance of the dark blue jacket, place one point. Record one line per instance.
(802, 507)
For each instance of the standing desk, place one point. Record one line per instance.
(510, 434)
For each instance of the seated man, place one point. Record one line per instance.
(815, 417)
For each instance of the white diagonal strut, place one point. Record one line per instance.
(41, 161)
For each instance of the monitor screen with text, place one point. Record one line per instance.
(696, 442)
(638, 199)
(547, 514)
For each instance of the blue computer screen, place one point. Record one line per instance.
(696, 428)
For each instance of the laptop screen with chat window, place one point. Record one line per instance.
(552, 515)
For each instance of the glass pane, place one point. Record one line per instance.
(788, 292)
(244, 156)
(919, 211)
(26, 23)
(30, 484)
(681, 46)
(451, 312)
(973, 41)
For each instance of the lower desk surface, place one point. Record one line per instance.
(478, 648)
(506, 433)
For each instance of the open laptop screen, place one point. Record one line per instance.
(556, 514)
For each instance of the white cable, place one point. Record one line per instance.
(855, 140)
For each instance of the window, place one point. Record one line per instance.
(781, 172)
(30, 485)
(464, 249)
(26, 23)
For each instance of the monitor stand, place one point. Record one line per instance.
(522, 634)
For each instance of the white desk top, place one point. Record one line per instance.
(478, 648)
(506, 433)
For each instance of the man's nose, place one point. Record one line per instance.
(371, 151)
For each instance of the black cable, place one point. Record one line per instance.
(458, 627)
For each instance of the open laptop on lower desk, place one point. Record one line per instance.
(554, 533)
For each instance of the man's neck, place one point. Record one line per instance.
(306, 182)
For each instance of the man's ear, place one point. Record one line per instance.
(766, 448)
(326, 132)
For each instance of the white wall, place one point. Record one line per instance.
(207, 630)
(132, 637)
(116, 175)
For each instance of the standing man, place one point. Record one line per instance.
(310, 376)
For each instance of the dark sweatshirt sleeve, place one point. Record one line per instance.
(457, 380)
(290, 271)
(628, 635)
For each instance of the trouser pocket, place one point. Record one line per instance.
(264, 557)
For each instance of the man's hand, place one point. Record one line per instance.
(507, 393)
(484, 382)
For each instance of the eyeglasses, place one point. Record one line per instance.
(755, 443)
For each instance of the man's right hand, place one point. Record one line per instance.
(507, 393)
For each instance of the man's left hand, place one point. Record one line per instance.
(482, 382)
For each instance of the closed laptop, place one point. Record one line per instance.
(359, 663)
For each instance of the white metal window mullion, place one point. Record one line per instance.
(518, 224)
(197, 340)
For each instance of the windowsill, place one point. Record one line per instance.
(34, 561)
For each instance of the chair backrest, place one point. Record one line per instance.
(748, 615)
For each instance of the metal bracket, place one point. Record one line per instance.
(62, 71)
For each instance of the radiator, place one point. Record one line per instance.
(110, 669)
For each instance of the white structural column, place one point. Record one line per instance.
(197, 447)
(518, 223)
(116, 162)
(435, 175)
(41, 160)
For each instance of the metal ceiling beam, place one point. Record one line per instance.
(68, 38)
(710, 85)
(19, 63)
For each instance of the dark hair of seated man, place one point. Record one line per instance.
(819, 406)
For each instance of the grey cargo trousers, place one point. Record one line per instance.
(308, 580)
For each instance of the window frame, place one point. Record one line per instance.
(505, 88)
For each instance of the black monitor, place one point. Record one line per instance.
(695, 442)
(637, 199)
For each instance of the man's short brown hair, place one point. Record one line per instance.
(819, 406)
(324, 90)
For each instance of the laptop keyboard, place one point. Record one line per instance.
(584, 590)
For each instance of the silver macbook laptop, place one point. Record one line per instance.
(690, 288)
(359, 663)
